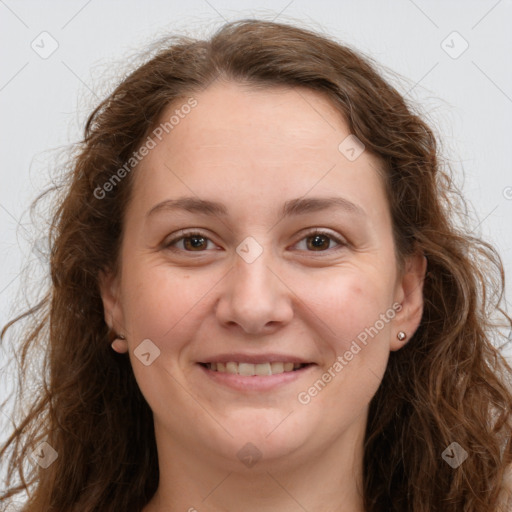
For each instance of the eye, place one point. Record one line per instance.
(320, 241)
(195, 241)
(189, 242)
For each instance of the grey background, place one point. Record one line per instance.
(466, 96)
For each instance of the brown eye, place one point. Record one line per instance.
(189, 242)
(320, 241)
(195, 243)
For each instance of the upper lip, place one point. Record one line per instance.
(255, 358)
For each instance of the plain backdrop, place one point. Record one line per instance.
(59, 58)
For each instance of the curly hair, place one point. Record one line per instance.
(449, 383)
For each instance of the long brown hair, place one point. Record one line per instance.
(449, 384)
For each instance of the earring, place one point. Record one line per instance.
(401, 335)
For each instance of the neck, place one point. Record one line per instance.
(324, 480)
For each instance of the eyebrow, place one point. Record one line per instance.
(299, 206)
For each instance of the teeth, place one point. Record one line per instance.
(246, 369)
(263, 369)
(277, 367)
(249, 369)
(231, 368)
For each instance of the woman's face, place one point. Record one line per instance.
(254, 243)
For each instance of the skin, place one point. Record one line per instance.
(252, 149)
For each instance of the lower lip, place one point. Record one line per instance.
(255, 382)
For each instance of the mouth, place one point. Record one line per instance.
(258, 376)
(255, 369)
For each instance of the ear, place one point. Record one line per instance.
(409, 293)
(109, 290)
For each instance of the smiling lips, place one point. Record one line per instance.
(250, 372)
(253, 369)
(255, 373)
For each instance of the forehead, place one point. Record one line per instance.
(231, 115)
(256, 142)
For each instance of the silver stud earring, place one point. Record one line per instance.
(401, 335)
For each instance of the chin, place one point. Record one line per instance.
(267, 435)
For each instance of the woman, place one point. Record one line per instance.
(260, 300)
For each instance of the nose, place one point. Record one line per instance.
(254, 298)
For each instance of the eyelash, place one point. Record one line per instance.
(182, 235)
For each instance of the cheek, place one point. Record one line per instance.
(358, 310)
(164, 304)
(357, 314)
(347, 301)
